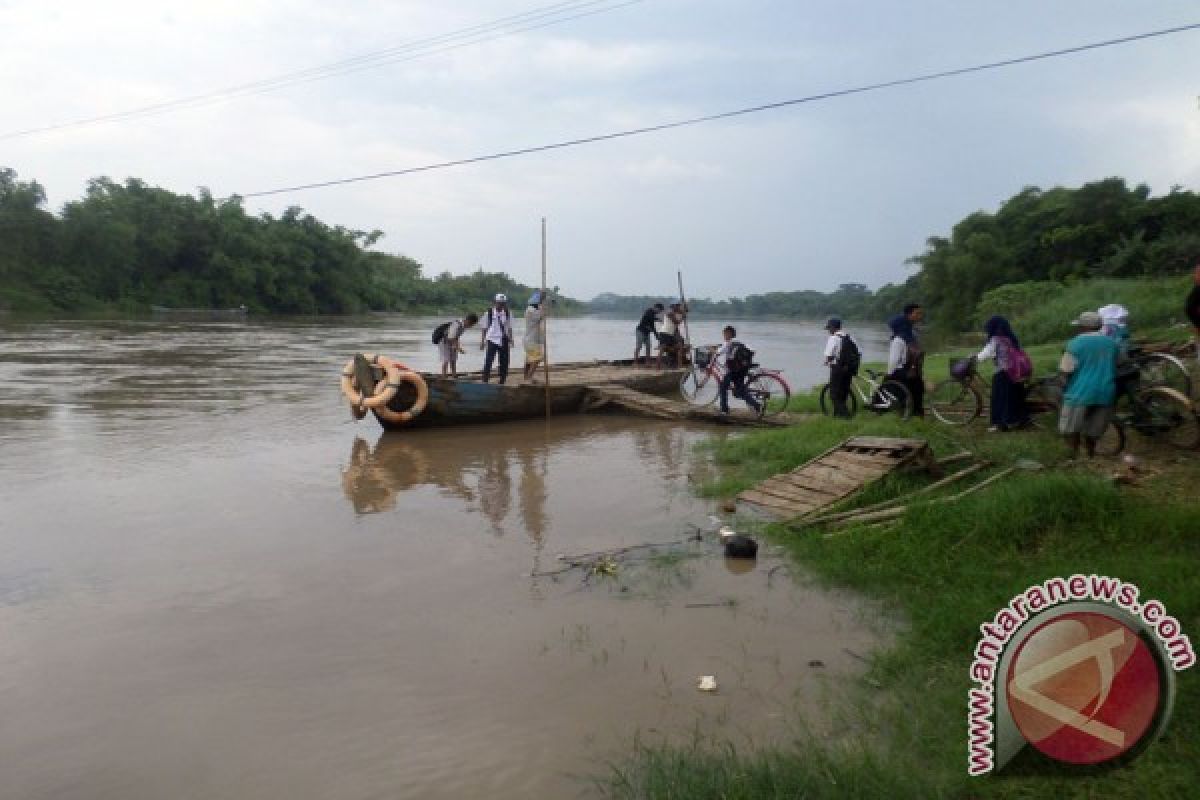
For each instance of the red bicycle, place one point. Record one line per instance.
(702, 383)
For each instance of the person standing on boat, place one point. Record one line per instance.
(669, 340)
(645, 330)
(535, 334)
(449, 346)
(497, 338)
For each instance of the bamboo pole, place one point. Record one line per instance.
(545, 326)
(687, 336)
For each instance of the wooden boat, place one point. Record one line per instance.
(467, 400)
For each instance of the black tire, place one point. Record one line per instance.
(1166, 412)
(771, 393)
(892, 397)
(1164, 369)
(698, 387)
(954, 402)
(827, 402)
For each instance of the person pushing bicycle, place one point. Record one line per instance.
(737, 359)
(842, 356)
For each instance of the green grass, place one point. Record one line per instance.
(946, 569)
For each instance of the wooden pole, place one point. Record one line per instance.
(687, 336)
(545, 328)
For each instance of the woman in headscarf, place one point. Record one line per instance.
(1008, 396)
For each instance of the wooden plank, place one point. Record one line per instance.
(885, 442)
(795, 493)
(806, 481)
(861, 472)
(770, 501)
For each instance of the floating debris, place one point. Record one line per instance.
(707, 683)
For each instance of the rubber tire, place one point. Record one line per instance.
(1164, 369)
(767, 388)
(1176, 412)
(954, 402)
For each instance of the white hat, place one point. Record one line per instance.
(1114, 314)
(501, 298)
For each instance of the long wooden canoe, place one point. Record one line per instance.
(467, 400)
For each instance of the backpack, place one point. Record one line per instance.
(439, 332)
(740, 357)
(1019, 368)
(849, 357)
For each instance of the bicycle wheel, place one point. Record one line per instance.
(698, 387)
(892, 397)
(770, 392)
(1166, 412)
(1112, 441)
(1164, 369)
(954, 402)
(827, 402)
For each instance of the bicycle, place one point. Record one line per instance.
(958, 400)
(702, 383)
(875, 392)
(1162, 369)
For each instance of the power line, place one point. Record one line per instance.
(734, 113)
(534, 19)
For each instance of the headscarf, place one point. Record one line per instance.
(903, 328)
(1114, 314)
(998, 326)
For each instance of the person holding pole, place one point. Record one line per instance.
(535, 335)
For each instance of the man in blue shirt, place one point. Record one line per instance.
(1090, 367)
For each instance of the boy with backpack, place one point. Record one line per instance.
(738, 360)
(497, 337)
(446, 336)
(842, 356)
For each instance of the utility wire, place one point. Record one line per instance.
(420, 48)
(931, 76)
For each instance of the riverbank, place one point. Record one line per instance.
(946, 570)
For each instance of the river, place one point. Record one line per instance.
(214, 584)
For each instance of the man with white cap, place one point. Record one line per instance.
(497, 338)
(1090, 367)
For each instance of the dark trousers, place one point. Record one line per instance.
(738, 381)
(916, 389)
(492, 350)
(839, 389)
(1008, 402)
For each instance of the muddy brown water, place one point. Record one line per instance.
(214, 585)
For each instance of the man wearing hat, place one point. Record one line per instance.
(841, 356)
(497, 337)
(1090, 367)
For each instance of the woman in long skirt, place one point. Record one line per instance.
(1008, 396)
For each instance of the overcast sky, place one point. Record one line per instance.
(809, 196)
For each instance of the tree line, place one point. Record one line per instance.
(128, 246)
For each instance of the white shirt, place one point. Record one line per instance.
(535, 333)
(454, 332)
(500, 327)
(669, 325)
(833, 347)
(897, 354)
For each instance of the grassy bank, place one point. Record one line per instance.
(947, 569)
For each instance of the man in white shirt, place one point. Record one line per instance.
(497, 337)
(840, 372)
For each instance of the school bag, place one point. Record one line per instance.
(849, 357)
(439, 332)
(740, 357)
(1019, 368)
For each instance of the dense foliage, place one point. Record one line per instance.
(129, 246)
(1038, 243)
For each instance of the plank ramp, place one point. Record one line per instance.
(835, 474)
(650, 405)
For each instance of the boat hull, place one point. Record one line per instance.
(468, 401)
